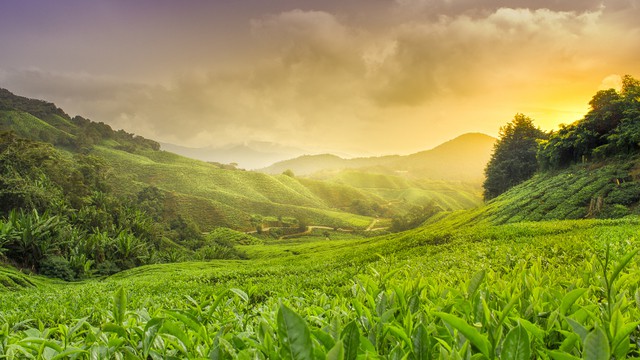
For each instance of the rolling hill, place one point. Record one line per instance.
(208, 194)
(540, 271)
(459, 159)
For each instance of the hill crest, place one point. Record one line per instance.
(462, 158)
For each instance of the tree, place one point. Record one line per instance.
(514, 156)
(610, 128)
(289, 173)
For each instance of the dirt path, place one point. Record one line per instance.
(310, 229)
(373, 223)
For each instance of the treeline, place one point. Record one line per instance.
(611, 128)
(59, 217)
(75, 133)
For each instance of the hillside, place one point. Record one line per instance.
(459, 159)
(544, 282)
(42, 121)
(401, 191)
(539, 271)
(209, 195)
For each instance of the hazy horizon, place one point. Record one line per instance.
(356, 77)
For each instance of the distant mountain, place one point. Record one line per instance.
(251, 155)
(462, 158)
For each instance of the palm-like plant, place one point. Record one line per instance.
(34, 236)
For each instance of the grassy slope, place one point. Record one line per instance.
(442, 250)
(29, 126)
(219, 197)
(327, 281)
(571, 193)
(399, 191)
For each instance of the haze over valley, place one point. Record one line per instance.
(305, 180)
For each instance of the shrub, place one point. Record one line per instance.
(57, 267)
(107, 268)
(625, 194)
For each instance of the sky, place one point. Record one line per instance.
(361, 77)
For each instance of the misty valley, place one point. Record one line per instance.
(518, 247)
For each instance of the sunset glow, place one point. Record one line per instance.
(357, 77)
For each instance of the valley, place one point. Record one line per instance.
(112, 248)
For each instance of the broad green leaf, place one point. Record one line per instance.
(294, 335)
(337, 352)
(68, 352)
(117, 329)
(620, 351)
(531, 328)
(366, 344)
(578, 329)
(119, 306)
(615, 323)
(474, 336)
(350, 337)
(241, 294)
(169, 327)
(188, 320)
(559, 355)
(325, 339)
(44, 342)
(516, 345)
(507, 309)
(475, 282)
(570, 341)
(390, 274)
(569, 299)
(596, 346)
(624, 332)
(399, 332)
(421, 343)
(150, 333)
(621, 265)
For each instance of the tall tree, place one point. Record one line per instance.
(514, 156)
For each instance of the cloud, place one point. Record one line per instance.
(426, 72)
(613, 81)
(463, 55)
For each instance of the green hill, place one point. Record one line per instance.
(540, 271)
(401, 192)
(233, 195)
(210, 195)
(469, 284)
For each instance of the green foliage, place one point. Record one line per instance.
(294, 335)
(514, 156)
(470, 284)
(517, 291)
(57, 267)
(42, 121)
(610, 128)
(580, 191)
(416, 216)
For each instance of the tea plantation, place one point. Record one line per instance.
(551, 290)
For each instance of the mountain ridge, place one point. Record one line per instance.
(469, 151)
